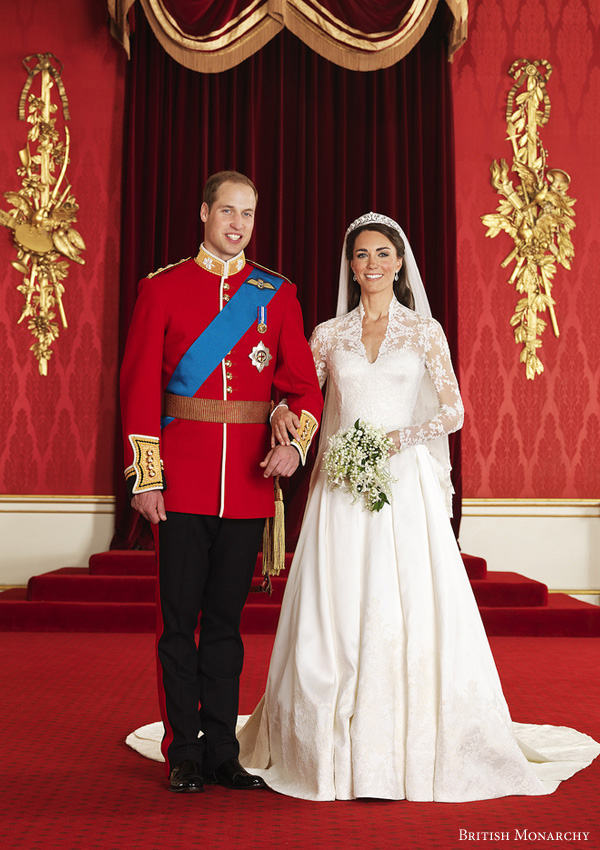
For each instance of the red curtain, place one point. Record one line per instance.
(201, 17)
(323, 145)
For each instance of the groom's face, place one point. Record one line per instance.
(229, 221)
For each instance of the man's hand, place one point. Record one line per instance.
(281, 460)
(151, 505)
(283, 423)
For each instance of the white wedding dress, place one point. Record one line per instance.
(382, 683)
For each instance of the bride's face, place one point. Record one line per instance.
(375, 261)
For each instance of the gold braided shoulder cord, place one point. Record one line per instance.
(43, 215)
(535, 210)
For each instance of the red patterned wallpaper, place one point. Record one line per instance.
(541, 438)
(521, 438)
(58, 432)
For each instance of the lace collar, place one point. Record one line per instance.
(396, 309)
(398, 331)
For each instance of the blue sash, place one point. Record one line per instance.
(218, 338)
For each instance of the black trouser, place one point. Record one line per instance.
(206, 565)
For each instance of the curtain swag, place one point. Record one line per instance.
(211, 38)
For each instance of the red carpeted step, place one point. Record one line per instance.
(476, 567)
(19, 614)
(142, 562)
(563, 616)
(77, 585)
(500, 589)
(117, 562)
(260, 618)
(136, 562)
(117, 594)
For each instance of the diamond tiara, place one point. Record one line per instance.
(374, 218)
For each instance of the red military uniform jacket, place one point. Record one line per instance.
(209, 468)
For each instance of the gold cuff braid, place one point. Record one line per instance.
(306, 429)
(147, 465)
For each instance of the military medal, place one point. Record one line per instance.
(261, 326)
(260, 356)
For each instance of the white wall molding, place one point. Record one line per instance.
(555, 541)
(42, 533)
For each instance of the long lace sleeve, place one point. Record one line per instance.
(318, 346)
(451, 411)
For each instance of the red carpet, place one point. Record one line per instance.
(72, 784)
(116, 594)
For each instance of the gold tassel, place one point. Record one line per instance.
(274, 539)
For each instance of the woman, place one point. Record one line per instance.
(381, 682)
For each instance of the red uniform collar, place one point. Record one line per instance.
(206, 260)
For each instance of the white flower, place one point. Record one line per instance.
(357, 461)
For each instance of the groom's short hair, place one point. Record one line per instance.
(215, 181)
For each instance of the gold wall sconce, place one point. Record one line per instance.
(44, 208)
(535, 210)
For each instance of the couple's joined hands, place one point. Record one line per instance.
(282, 459)
(284, 422)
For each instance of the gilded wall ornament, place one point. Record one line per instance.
(535, 210)
(44, 208)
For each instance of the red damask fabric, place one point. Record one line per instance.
(525, 439)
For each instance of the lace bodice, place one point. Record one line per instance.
(385, 392)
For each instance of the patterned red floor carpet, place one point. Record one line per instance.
(70, 783)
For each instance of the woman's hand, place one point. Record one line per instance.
(283, 423)
(395, 437)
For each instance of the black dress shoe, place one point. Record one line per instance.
(231, 774)
(186, 777)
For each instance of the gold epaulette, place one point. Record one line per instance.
(306, 429)
(170, 266)
(265, 269)
(147, 465)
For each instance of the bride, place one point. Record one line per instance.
(382, 683)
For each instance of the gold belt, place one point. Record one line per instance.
(214, 410)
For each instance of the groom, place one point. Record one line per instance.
(209, 339)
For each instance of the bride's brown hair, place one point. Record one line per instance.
(402, 290)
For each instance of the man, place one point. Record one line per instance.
(209, 338)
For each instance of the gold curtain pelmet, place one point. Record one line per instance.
(313, 24)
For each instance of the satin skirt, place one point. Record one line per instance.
(382, 682)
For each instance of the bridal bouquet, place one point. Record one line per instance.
(357, 460)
